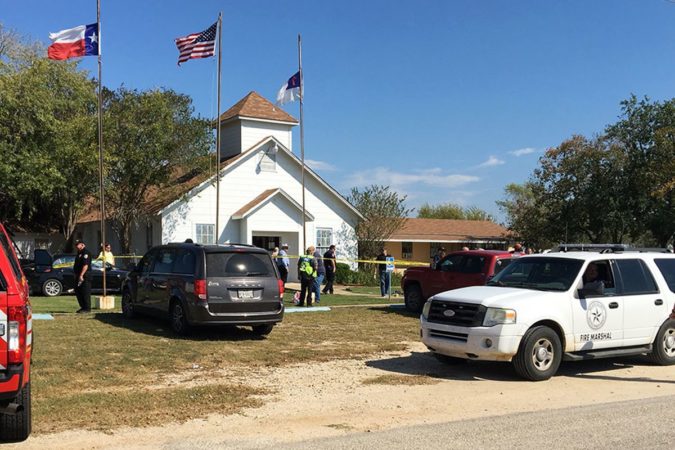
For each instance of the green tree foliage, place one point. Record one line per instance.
(525, 215)
(452, 211)
(47, 137)
(384, 211)
(151, 138)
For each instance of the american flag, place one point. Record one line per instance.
(197, 45)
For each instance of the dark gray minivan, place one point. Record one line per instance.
(197, 284)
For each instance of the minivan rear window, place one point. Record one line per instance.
(239, 265)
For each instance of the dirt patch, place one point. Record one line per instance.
(330, 398)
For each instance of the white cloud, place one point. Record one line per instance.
(399, 181)
(523, 151)
(320, 165)
(491, 162)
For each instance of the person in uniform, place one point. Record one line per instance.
(307, 274)
(331, 267)
(82, 277)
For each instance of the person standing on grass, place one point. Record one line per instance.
(331, 268)
(306, 273)
(283, 263)
(382, 271)
(320, 275)
(82, 277)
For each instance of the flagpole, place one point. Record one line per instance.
(220, 54)
(302, 145)
(100, 141)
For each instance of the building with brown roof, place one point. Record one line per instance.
(419, 239)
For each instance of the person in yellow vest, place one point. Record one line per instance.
(307, 273)
(106, 254)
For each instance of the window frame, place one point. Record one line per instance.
(406, 255)
(322, 239)
(200, 234)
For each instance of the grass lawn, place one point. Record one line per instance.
(102, 371)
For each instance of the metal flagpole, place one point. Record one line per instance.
(100, 142)
(302, 145)
(220, 57)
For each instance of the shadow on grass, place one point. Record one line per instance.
(426, 364)
(155, 326)
(397, 309)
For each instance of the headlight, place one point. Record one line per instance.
(425, 310)
(498, 316)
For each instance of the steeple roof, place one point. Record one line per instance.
(257, 107)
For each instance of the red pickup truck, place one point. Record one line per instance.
(456, 270)
(16, 334)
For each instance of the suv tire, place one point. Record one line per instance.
(127, 305)
(52, 287)
(17, 427)
(179, 323)
(663, 352)
(414, 302)
(539, 355)
(262, 330)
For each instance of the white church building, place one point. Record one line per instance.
(260, 194)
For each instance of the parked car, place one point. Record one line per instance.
(456, 270)
(572, 306)
(16, 346)
(53, 275)
(194, 284)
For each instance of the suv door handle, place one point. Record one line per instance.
(658, 302)
(613, 305)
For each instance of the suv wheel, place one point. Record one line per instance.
(539, 355)
(127, 305)
(413, 298)
(663, 352)
(262, 330)
(179, 322)
(17, 427)
(52, 287)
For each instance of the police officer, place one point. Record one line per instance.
(307, 273)
(82, 273)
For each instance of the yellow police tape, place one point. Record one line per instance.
(337, 260)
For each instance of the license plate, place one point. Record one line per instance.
(245, 294)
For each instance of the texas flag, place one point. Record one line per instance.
(79, 41)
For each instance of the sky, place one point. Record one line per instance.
(444, 101)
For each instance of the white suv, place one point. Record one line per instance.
(546, 308)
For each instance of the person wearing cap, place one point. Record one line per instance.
(329, 264)
(283, 263)
(106, 254)
(82, 277)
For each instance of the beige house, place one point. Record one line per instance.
(418, 239)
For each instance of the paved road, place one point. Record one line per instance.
(646, 424)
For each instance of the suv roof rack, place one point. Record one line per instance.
(607, 248)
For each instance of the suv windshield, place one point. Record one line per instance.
(545, 274)
(239, 265)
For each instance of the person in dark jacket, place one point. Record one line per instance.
(384, 275)
(82, 277)
(331, 267)
(320, 275)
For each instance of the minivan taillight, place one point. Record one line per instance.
(16, 342)
(281, 288)
(200, 290)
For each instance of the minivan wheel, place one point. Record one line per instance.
(413, 298)
(262, 330)
(539, 354)
(663, 352)
(179, 322)
(17, 427)
(52, 287)
(127, 305)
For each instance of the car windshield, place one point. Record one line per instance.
(540, 273)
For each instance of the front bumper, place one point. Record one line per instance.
(498, 343)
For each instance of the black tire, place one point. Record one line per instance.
(179, 323)
(450, 360)
(262, 330)
(414, 301)
(127, 305)
(52, 287)
(663, 351)
(539, 354)
(17, 427)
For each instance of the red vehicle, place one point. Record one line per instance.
(456, 270)
(16, 335)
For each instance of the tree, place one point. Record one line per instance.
(47, 137)
(384, 212)
(452, 211)
(150, 137)
(525, 215)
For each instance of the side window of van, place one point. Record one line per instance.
(164, 260)
(185, 262)
(146, 263)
